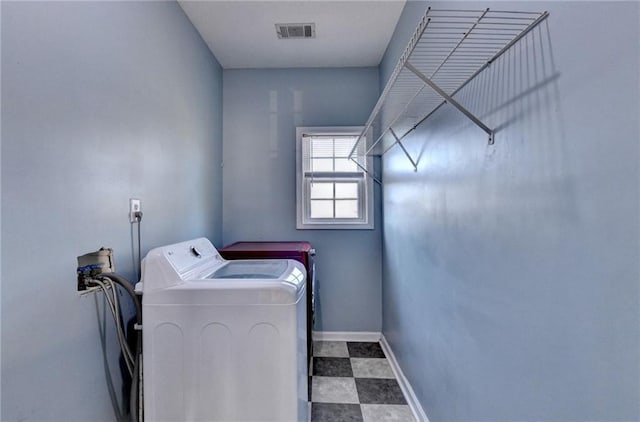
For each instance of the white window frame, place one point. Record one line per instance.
(303, 203)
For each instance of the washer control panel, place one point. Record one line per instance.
(186, 256)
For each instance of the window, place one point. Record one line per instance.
(333, 191)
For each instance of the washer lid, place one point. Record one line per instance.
(251, 269)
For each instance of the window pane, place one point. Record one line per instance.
(346, 190)
(321, 208)
(347, 209)
(321, 164)
(344, 164)
(321, 190)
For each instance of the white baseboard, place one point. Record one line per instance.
(346, 336)
(412, 400)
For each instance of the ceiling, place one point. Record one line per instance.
(242, 33)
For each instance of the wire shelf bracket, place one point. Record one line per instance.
(398, 141)
(451, 101)
(368, 173)
(448, 49)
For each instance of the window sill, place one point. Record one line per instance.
(335, 226)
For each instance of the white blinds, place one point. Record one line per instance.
(329, 154)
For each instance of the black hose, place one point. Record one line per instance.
(134, 402)
(139, 251)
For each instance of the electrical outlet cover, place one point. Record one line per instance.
(134, 206)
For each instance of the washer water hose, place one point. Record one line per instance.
(135, 401)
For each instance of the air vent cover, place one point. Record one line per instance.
(296, 30)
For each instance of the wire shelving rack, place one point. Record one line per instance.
(448, 49)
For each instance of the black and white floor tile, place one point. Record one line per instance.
(353, 382)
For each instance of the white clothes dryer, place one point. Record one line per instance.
(222, 340)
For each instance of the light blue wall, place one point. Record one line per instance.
(101, 101)
(261, 111)
(510, 274)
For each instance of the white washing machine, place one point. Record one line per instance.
(222, 340)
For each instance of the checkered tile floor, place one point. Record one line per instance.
(353, 382)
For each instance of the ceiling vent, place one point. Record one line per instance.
(296, 30)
